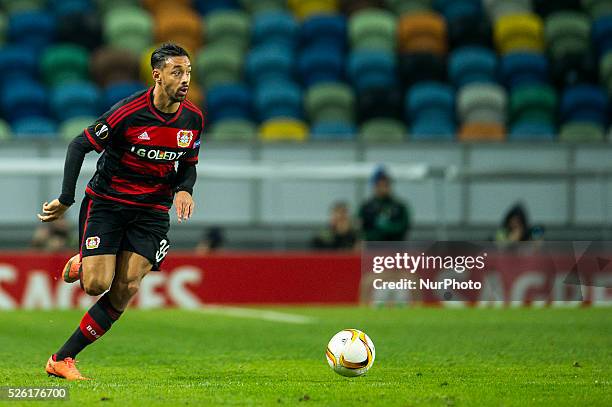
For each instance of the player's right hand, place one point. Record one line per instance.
(52, 211)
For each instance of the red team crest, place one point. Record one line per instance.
(184, 137)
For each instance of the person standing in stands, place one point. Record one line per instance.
(384, 217)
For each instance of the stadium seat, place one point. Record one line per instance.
(278, 99)
(605, 71)
(71, 128)
(117, 91)
(349, 7)
(160, 7)
(519, 32)
(6, 133)
(482, 103)
(472, 64)
(567, 32)
(430, 110)
(581, 132)
(64, 63)
(18, 62)
(330, 102)
(332, 131)
(22, 99)
(469, 30)
(269, 62)
(518, 68)
(111, 65)
(321, 63)
(84, 29)
(207, 7)
(379, 102)
(383, 130)
(496, 9)
(274, 27)
(419, 67)
(216, 64)
(229, 101)
(574, 69)
(373, 29)
(584, 103)
(263, 6)
(230, 28)
(303, 9)
(75, 99)
(105, 5)
(597, 8)
(3, 28)
(547, 7)
(67, 7)
(532, 131)
(233, 130)
(368, 69)
(21, 32)
(326, 29)
(482, 132)
(182, 26)
(452, 9)
(533, 103)
(128, 28)
(426, 32)
(283, 130)
(602, 35)
(35, 127)
(403, 7)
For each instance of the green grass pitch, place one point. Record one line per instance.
(424, 356)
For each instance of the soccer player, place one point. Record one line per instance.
(149, 143)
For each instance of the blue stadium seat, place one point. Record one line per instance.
(278, 99)
(206, 6)
(519, 68)
(430, 108)
(584, 103)
(274, 27)
(601, 32)
(35, 127)
(117, 91)
(369, 69)
(75, 99)
(452, 9)
(321, 63)
(229, 101)
(17, 62)
(66, 7)
(333, 131)
(329, 29)
(22, 99)
(532, 131)
(472, 64)
(33, 28)
(269, 62)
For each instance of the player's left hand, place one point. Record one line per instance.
(52, 210)
(184, 205)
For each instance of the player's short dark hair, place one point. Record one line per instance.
(165, 51)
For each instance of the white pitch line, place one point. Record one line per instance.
(253, 313)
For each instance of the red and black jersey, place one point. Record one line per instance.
(140, 148)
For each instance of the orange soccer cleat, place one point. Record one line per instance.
(65, 369)
(72, 269)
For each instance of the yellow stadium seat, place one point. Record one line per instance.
(482, 132)
(303, 9)
(519, 32)
(283, 130)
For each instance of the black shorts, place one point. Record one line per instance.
(107, 227)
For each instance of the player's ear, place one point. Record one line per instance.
(156, 75)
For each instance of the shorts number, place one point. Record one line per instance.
(164, 246)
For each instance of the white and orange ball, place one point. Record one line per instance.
(350, 353)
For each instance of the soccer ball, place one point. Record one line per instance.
(350, 353)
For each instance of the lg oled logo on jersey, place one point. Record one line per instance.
(92, 242)
(184, 137)
(157, 154)
(101, 130)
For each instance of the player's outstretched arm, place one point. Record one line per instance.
(72, 167)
